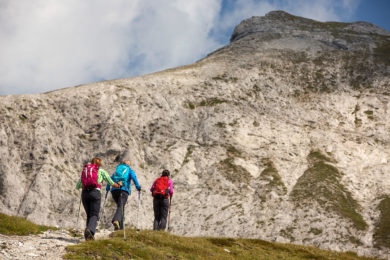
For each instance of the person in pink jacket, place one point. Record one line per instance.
(162, 191)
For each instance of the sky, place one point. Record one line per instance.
(51, 44)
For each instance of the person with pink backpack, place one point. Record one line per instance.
(162, 191)
(91, 180)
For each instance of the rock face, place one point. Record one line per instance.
(281, 135)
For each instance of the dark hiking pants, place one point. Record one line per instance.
(160, 207)
(120, 198)
(91, 202)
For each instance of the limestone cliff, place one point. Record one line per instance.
(282, 135)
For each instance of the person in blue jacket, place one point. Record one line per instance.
(125, 174)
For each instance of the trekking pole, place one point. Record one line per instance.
(123, 217)
(104, 204)
(169, 211)
(78, 215)
(139, 199)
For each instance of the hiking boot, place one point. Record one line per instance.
(88, 235)
(116, 225)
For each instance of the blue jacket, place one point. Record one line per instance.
(126, 183)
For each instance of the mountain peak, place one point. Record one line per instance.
(281, 22)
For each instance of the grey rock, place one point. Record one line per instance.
(240, 130)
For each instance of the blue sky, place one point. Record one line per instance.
(374, 11)
(52, 44)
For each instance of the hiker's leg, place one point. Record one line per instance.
(85, 200)
(156, 210)
(164, 213)
(123, 198)
(118, 213)
(95, 198)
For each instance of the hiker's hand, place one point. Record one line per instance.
(139, 189)
(120, 184)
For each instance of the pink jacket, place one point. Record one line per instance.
(170, 187)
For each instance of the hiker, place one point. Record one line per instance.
(161, 190)
(90, 181)
(124, 174)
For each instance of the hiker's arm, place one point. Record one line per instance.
(108, 179)
(78, 185)
(108, 187)
(116, 185)
(134, 178)
(152, 188)
(170, 187)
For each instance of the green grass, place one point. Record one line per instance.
(382, 229)
(10, 225)
(161, 245)
(211, 102)
(317, 156)
(321, 183)
(189, 105)
(274, 182)
(234, 173)
(189, 152)
(370, 114)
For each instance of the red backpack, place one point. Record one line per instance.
(161, 188)
(89, 177)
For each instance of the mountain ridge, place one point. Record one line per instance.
(243, 131)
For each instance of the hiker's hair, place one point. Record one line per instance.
(127, 162)
(97, 160)
(165, 173)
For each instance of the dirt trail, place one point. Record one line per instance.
(48, 245)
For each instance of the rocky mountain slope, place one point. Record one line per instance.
(281, 135)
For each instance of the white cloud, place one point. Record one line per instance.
(50, 44)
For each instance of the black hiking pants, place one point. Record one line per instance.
(91, 202)
(120, 197)
(160, 207)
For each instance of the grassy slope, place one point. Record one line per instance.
(161, 245)
(10, 225)
(382, 230)
(321, 183)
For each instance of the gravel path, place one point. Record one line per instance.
(48, 245)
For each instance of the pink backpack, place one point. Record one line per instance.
(89, 177)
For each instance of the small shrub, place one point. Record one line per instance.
(82, 136)
(23, 117)
(189, 105)
(221, 125)
(370, 114)
(190, 149)
(211, 102)
(315, 231)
